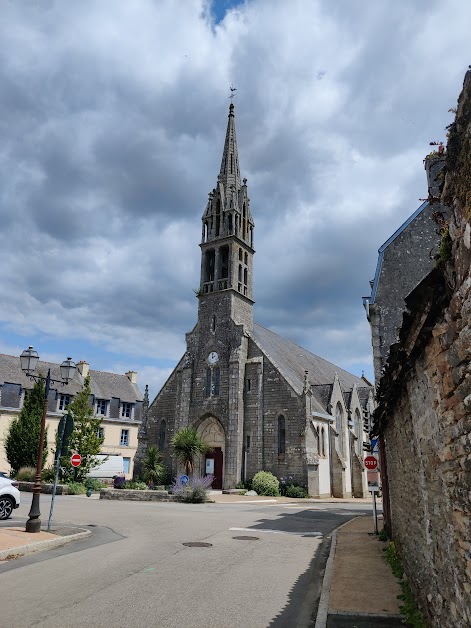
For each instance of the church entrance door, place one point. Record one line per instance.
(211, 430)
(213, 465)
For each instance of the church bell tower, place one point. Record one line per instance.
(227, 238)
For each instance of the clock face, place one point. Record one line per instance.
(213, 357)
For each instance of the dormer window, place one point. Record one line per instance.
(64, 401)
(101, 407)
(126, 410)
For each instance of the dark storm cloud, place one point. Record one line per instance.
(113, 127)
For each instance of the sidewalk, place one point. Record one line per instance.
(359, 588)
(16, 542)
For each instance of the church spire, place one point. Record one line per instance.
(230, 173)
(227, 230)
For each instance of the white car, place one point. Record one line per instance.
(9, 497)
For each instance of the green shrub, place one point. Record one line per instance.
(48, 475)
(296, 491)
(75, 488)
(265, 483)
(26, 474)
(95, 484)
(136, 485)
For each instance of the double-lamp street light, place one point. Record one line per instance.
(29, 360)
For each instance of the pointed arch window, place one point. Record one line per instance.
(322, 444)
(217, 381)
(162, 435)
(208, 383)
(281, 436)
(358, 432)
(339, 428)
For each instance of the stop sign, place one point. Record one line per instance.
(371, 463)
(75, 460)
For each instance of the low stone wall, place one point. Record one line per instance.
(138, 496)
(61, 489)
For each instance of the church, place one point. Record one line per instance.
(260, 401)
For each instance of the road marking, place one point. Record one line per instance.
(257, 530)
(253, 501)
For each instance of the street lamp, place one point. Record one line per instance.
(29, 360)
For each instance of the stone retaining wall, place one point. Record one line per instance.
(138, 496)
(61, 489)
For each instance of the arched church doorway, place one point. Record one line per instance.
(212, 432)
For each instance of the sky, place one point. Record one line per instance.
(112, 122)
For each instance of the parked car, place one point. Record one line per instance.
(9, 497)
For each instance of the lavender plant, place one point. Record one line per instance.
(195, 492)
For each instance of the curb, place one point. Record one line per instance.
(40, 546)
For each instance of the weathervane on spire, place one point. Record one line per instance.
(233, 89)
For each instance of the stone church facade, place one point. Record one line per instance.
(261, 402)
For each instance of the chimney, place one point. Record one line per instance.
(434, 164)
(132, 376)
(83, 368)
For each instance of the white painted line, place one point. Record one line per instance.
(252, 501)
(256, 531)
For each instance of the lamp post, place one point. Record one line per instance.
(29, 360)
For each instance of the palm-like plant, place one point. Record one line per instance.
(153, 466)
(187, 444)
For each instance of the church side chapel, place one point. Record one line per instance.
(260, 401)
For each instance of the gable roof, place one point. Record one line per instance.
(384, 246)
(104, 385)
(292, 361)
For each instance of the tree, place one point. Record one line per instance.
(187, 444)
(84, 439)
(153, 467)
(22, 441)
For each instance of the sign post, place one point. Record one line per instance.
(65, 429)
(372, 477)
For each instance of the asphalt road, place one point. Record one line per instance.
(135, 570)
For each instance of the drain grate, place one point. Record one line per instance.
(197, 544)
(245, 538)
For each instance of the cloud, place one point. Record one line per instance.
(113, 125)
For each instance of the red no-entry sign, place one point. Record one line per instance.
(75, 460)
(371, 463)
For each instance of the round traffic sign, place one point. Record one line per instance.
(371, 463)
(75, 460)
(184, 479)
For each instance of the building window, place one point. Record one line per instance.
(101, 406)
(240, 254)
(281, 436)
(126, 410)
(124, 438)
(208, 383)
(64, 401)
(323, 442)
(126, 465)
(100, 433)
(358, 432)
(249, 385)
(217, 379)
(213, 381)
(247, 443)
(339, 428)
(162, 435)
(246, 258)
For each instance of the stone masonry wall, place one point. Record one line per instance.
(424, 410)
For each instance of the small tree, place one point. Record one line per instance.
(187, 444)
(84, 439)
(153, 467)
(22, 441)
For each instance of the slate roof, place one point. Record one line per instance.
(292, 360)
(104, 385)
